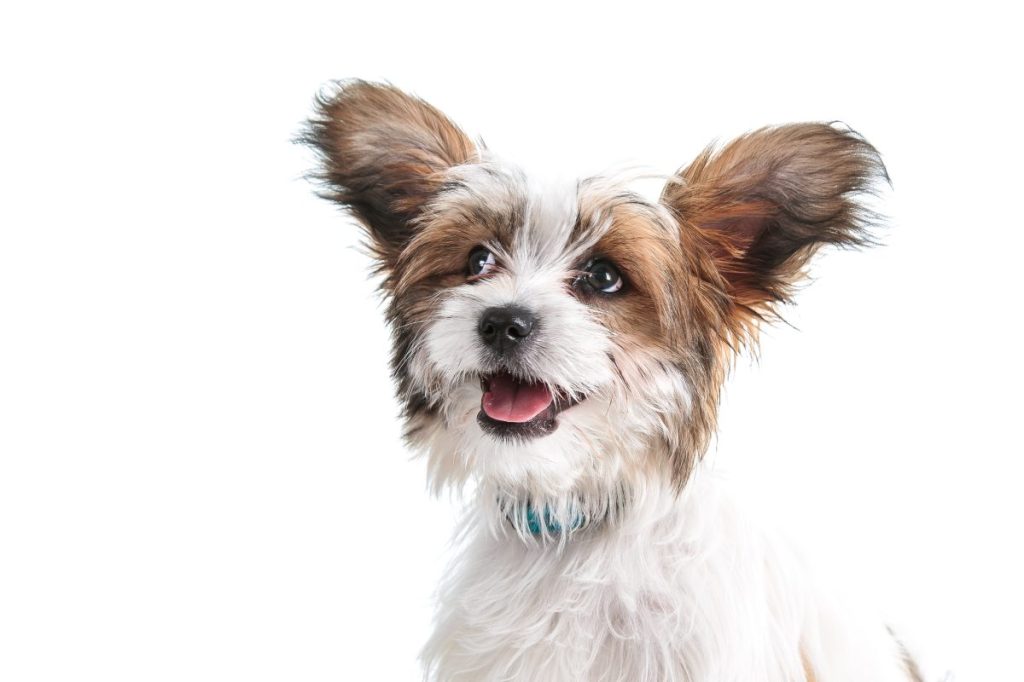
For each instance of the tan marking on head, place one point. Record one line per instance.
(653, 266)
(672, 310)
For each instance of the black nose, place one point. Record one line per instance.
(504, 328)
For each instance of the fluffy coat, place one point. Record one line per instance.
(599, 550)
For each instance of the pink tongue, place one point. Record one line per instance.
(508, 400)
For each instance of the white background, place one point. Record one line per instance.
(200, 470)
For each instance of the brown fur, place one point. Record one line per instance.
(648, 257)
(809, 675)
(384, 154)
(763, 204)
(751, 215)
(673, 308)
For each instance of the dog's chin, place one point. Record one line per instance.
(517, 409)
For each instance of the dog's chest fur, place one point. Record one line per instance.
(682, 589)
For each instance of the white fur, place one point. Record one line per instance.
(681, 588)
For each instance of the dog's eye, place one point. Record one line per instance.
(602, 276)
(481, 261)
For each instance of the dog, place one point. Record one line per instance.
(561, 351)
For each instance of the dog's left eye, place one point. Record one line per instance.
(481, 261)
(602, 276)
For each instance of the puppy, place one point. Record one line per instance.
(562, 350)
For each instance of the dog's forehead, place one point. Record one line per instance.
(535, 221)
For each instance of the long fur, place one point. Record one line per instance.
(600, 550)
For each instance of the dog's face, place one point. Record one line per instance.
(543, 330)
(553, 339)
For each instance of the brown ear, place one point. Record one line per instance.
(766, 201)
(383, 156)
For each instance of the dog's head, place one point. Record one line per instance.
(552, 339)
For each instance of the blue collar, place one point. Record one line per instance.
(543, 522)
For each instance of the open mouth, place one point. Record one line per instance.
(516, 408)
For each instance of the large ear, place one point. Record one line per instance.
(383, 155)
(766, 201)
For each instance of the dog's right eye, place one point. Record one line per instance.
(481, 261)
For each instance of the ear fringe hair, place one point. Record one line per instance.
(382, 155)
(765, 203)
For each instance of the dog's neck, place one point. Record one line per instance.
(582, 511)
